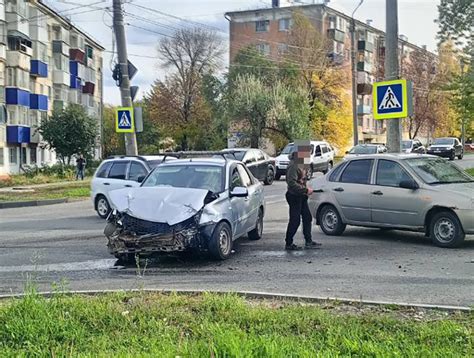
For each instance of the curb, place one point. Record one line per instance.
(256, 295)
(23, 204)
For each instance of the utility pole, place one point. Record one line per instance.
(463, 120)
(119, 29)
(394, 126)
(355, 121)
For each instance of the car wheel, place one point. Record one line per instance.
(220, 245)
(256, 234)
(270, 177)
(309, 173)
(452, 156)
(277, 176)
(102, 206)
(446, 230)
(330, 221)
(126, 259)
(460, 156)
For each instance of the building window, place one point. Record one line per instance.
(284, 24)
(23, 156)
(262, 26)
(283, 49)
(33, 156)
(13, 156)
(2, 160)
(263, 48)
(89, 52)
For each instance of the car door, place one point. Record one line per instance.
(390, 204)
(100, 178)
(239, 206)
(261, 165)
(136, 171)
(318, 160)
(458, 147)
(117, 178)
(352, 190)
(252, 203)
(326, 157)
(250, 160)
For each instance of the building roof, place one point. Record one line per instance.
(68, 22)
(324, 7)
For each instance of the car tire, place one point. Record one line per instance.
(270, 177)
(257, 233)
(446, 230)
(309, 173)
(220, 244)
(330, 221)
(452, 156)
(126, 259)
(460, 156)
(102, 206)
(277, 176)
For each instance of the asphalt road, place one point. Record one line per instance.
(64, 244)
(467, 162)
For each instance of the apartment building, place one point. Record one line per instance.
(267, 30)
(45, 63)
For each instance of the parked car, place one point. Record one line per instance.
(365, 149)
(322, 159)
(469, 147)
(116, 173)
(413, 146)
(260, 164)
(187, 204)
(447, 148)
(397, 191)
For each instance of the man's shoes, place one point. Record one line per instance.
(292, 247)
(312, 245)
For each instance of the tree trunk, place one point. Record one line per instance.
(254, 141)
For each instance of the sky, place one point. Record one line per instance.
(416, 21)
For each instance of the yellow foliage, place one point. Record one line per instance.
(337, 128)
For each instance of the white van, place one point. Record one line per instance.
(322, 159)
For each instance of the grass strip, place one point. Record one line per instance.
(74, 190)
(210, 325)
(470, 171)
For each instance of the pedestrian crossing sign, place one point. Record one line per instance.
(124, 121)
(391, 99)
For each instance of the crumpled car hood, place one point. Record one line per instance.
(159, 204)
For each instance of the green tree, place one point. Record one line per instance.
(69, 131)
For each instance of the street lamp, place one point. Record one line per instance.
(355, 123)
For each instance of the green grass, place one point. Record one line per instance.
(470, 171)
(73, 190)
(209, 325)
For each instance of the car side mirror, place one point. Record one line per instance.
(347, 152)
(409, 184)
(239, 192)
(141, 178)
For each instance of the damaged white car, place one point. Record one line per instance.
(187, 204)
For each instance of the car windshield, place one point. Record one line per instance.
(363, 149)
(406, 144)
(438, 171)
(208, 177)
(288, 149)
(154, 163)
(443, 141)
(234, 156)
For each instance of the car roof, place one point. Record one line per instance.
(312, 142)
(392, 156)
(368, 145)
(198, 161)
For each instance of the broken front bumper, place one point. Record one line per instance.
(129, 235)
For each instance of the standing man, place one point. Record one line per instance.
(80, 165)
(297, 196)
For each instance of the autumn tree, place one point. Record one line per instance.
(189, 54)
(113, 143)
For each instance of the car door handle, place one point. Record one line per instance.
(128, 186)
(106, 183)
(378, 192)
(338, 189)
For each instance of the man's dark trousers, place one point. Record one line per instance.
(299, 209)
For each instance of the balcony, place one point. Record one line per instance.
(364, 83)
(365, 46)
(336, 58)
(35, 136)
(3, 51)
(76, 83)
(38, 68)
(60, 47)
(89, 88)
(364, 66)
(75, 96)
(364, 109)
(17, 23)
(39, 33)
(76, 54)
(61, 78)
(19, 59)
(18, 134)
(77, 69)
(18, 97)
(39, 102)
(337, 35)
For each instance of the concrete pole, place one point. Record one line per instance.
(355, 121)
(394, 126)
(119, 29)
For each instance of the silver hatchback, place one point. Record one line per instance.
(186, 204)
(397, 191)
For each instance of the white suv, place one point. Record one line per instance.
(116, 173)
(322, 159)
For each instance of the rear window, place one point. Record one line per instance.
(335, 172)
(103, 170)
(357, 172)
(118, 170)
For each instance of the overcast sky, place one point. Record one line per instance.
(416, 21)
